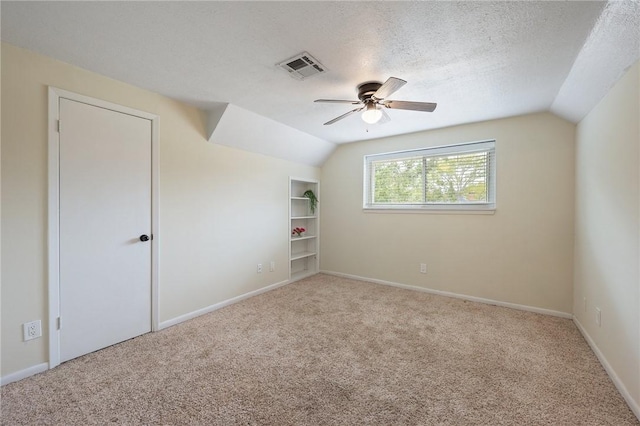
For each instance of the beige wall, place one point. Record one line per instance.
(522, 254)
(607, 228)
(222, 210)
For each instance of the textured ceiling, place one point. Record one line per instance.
(477, 60)
(612, 46)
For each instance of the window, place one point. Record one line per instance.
(455, 177)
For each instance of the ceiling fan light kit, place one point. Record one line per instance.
(372, 114)
(372, 98)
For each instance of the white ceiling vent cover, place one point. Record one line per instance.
(302, 66)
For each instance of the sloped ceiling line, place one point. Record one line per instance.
(239, 128)
(611, 48)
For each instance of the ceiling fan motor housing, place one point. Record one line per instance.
(366, 90)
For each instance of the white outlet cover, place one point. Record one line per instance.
(598, 317)
(32, 330)
(259, 268)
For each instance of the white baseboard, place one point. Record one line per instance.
(635, 407)
(214, 307)
(456, 295)
(23, 374)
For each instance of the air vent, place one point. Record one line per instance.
(302, 66)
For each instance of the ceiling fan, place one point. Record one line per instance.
(372, 98)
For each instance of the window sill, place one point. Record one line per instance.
(432, 210)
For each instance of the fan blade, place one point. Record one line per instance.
(337, 101)
(343, 116)
(390, 86)
(414, 106)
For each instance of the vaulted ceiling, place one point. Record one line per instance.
(477, 60)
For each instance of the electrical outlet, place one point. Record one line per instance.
(598, 317)
(272, 266)
(423, 268)
(259, 268)
(32, 330)
(584, 300)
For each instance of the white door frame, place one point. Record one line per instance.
(54, 209)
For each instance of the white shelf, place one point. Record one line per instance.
(302, 255)
(304, 252)
(295, 276)
(306, 237)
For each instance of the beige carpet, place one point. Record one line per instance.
(332, 351)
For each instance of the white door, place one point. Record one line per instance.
(105, 208)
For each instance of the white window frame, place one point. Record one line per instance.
(464, 148)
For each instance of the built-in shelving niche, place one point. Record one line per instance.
(304, 256)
